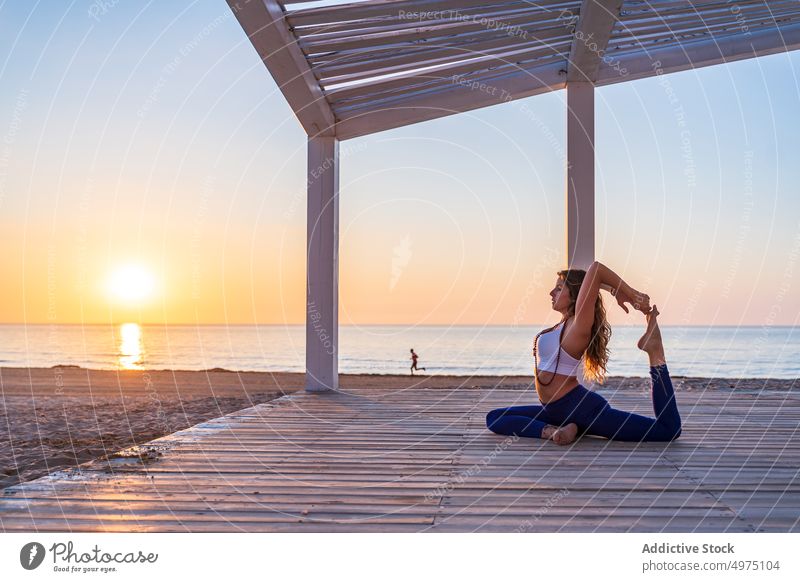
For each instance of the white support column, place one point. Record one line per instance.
(322, 265)
(580, 174)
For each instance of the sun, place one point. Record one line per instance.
(131, 284)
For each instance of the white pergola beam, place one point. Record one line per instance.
(592, 33)
(322, 265)
(580, 175)
(265, 25)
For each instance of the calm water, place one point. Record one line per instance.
(498, 350)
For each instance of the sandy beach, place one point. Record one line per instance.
(53, 418)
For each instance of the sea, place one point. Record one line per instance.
(497, 350)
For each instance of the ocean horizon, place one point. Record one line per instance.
(463, 350)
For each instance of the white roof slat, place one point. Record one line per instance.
(472, 81)
(674, 20)
(689, 32)
(364, 26)
(702, 53)
(459, 45)
(376, 67)
(657, 13)
(454, 99)
(466, 62)
(525, 25)
(439, 72)
(392, 9)
(345, 64)
(693, 6)
(676, 25)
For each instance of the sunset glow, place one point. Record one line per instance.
(131, 284)
(130, 346)
(183, 199)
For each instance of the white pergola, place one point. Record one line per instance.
(349, 70)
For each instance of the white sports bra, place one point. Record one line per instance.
(547, 353)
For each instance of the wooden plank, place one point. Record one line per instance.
(432, 466)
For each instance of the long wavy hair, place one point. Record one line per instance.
(596, 355)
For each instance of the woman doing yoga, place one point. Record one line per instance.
(568, 409)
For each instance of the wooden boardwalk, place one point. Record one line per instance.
(422, 460)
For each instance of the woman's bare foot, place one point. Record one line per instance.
(651, 341)
(561, 435)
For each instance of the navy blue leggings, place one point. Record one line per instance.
(594, 415)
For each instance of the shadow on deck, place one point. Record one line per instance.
(422, 460)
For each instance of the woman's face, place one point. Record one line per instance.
(560, 296)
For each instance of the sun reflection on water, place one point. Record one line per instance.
(131, 351)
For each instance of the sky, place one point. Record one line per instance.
(150, 134)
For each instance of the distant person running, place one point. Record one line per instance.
(414, 358)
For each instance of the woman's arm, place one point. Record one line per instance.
(599, 276)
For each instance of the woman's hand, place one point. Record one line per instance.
(638, 300)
